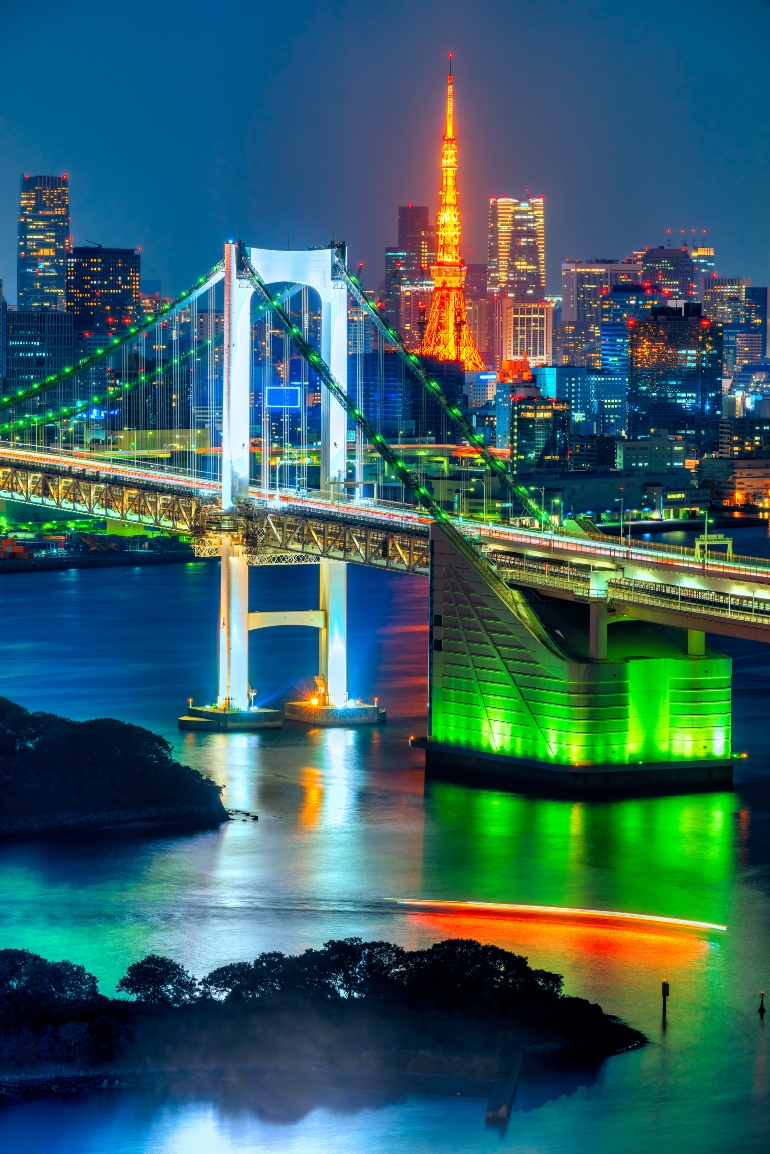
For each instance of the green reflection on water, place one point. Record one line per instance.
(672, 855)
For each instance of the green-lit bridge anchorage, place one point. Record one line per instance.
(569, 690)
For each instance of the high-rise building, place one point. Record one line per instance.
(417, 241)
(44, 241)
(675, 375)
(447, 336)
(409, 261)
(527, 329)
(670, 270)
(742, 313)
(103, 291)
(704, 267)
(516, 247)
(622, 303)
(534, 428)
(414, 309)
(3, 336)
(39, 345)
(584, 284)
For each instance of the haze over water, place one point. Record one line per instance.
(345, 824)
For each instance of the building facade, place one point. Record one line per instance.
(675, 375)
(527, 330)
(39, 344)
(516, 247)
(43, 242)
(670, 271)
(103, 290)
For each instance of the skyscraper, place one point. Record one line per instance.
(44, 241)
(447, 336)
(670, 270)
(516, 247)
(584, 285)
(103, 290)
(408, 263)
(742, 313)
(675, 375)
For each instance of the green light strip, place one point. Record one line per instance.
(412, 362)
(66, 375)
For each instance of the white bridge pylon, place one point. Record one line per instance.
(314, 268)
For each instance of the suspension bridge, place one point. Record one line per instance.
(272, 415)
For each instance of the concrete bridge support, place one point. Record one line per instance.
(233, 628)
(529, 687)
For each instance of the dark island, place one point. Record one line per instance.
(354, 1013)
(61, 774)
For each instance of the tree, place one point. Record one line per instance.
(159, 981)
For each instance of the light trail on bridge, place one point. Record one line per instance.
(518, 908)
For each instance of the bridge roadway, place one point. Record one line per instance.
(644, 580)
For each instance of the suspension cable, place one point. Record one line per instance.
(433, 389)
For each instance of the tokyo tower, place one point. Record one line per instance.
(447, 336)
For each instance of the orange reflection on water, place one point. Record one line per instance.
(586, 940)
(309, 816)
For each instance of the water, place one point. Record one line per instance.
(346, 823)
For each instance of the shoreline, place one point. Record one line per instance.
(159, 815)
(98, 561)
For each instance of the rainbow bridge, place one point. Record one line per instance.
(557, 656)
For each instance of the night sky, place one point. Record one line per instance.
(181, 124)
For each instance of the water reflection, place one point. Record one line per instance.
(346, 822)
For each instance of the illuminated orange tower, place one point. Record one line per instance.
(447, 336)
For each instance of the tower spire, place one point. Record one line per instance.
(447, 336)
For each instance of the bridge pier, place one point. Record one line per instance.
(525, 688)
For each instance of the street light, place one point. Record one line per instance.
(459, 493)
(536, 489)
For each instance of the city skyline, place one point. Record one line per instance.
(608, 185)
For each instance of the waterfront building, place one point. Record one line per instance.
(675, 374)
(670, 270)
(103, 290)
(43, 242)
(447, 335)
(516, 247)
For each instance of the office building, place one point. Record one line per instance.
(742, 313)
(516, 247)
(44, 241)
(534, 428)
(413, 313)
(675, 375)
(609, 403)
(568, 383)
(39, 345)
(409, 261)
(670, 270)
(577, 343)
(527, 330)
(103, 291)
(584, 284)
(3, 335)
(622, 303)
(704, 268)
(656, 453)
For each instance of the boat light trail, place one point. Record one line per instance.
(553, 911)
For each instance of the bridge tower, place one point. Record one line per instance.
(316, 269)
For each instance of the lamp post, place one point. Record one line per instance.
(541, 491)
